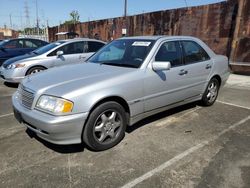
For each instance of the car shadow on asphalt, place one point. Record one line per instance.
(77, 148)
(161, 115)
(63, 149)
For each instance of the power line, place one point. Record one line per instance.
(186, 3)
(26, 13)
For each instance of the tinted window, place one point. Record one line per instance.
(14, 44)
(48, 47)
(30, 44)
(39, 43)
(193, 52)
(71, 48)
(171, 52)
(123, 52)
(94, 46)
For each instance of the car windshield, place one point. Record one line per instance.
(3, 42)
(47, 47)
(123, 52)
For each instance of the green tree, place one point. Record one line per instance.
(74, 18)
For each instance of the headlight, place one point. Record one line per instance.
(13, 66)
(55, 105)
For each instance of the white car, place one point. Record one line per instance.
(55, 54)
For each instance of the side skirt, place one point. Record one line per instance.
(141, 116)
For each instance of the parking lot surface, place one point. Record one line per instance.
(189, 146)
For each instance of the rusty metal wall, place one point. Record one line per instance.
(215, 24)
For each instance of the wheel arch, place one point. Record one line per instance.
(26, 73)
(114, 98)
(216, 76)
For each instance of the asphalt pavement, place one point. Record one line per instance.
(189, 146)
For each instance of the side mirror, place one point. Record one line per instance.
(59, 53)
(160, 66)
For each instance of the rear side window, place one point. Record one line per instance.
(30, 44)
(193, 52)
(170, 52)
(39, 43)
(72, 48)
(94, 46)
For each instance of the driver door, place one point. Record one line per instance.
(72, 54)
(166, 87)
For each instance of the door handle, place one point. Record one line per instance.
(183, 72)
(208, 66)
(82, 57)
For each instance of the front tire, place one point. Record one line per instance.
(211, 93)
(34, 70)
(105, 126)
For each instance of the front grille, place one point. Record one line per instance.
(26, 96)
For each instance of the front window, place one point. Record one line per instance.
(47, 48)
(170, 52)
(13, 44)
(123, 52)
(71, 48)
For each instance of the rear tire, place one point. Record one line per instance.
(211, 92)
(34, 70)
(105, 126)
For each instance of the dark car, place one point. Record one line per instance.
(15, 47)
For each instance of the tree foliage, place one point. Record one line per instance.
(74, 18)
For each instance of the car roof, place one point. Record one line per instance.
(157, 37)
(27, 39)
(81, 39)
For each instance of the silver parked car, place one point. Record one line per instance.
(127, 80)
(55, 54)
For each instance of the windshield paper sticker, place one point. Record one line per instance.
(141, 43)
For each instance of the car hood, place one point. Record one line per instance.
(18, 58)
(62, 80)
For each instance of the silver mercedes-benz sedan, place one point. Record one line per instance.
(59, 53)
(127, 80)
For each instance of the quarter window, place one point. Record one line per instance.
(193, 52)
(170, 52)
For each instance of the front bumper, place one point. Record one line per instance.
(55, 129)
(12, 75)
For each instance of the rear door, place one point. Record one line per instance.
(198, 64)
(29, 45)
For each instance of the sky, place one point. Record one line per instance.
(57, 11)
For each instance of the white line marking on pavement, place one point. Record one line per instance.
(231, 104)
(181, 156)
(6, 115)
